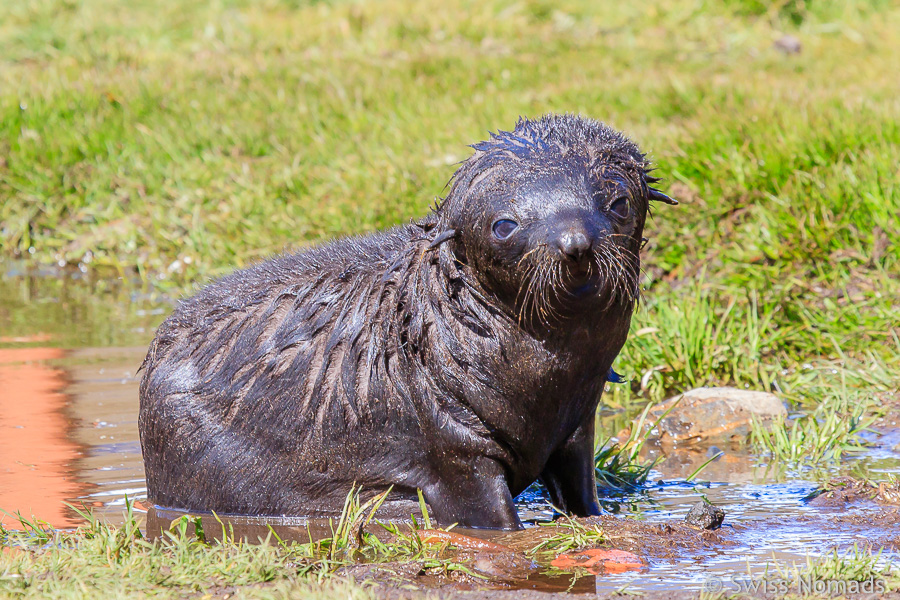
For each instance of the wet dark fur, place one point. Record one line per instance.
(429, 356)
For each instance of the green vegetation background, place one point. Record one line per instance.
(182, 139)
(177, 140)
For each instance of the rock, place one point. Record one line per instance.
(509, 566)
(488, 567)
(711, 412)
(705, 516)
(788, 44)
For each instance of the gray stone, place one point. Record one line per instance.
(705, 516)
(713, 412)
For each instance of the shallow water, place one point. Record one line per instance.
(69, 350)
(70, 347)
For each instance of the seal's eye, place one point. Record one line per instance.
(620, 207)
(504, 228)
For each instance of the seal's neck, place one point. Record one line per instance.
(472, 352)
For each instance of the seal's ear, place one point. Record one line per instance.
(654, 193)
(659, 196)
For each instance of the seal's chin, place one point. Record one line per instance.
(581, 281)
(585, 290)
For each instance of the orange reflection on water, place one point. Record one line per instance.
(35, 451)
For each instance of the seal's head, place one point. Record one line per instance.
(550, 216)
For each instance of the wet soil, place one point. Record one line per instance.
(69, 351)
(658, 545)
(670, 554)
(844, 491)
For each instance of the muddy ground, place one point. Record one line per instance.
(512, 566)
(655, 544)
(489, 564)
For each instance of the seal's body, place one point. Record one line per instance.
(463, 354)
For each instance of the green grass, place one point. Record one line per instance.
(853, 565)
(181, 140)
(851, 573)
(825, 435)
(617, 465)
(105, 561)
(571, 535)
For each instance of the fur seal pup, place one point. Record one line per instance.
(462, 354)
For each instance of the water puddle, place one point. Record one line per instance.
(69, 352)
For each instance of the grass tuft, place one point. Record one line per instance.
(855, 564)
(573, 535)
(832, 431)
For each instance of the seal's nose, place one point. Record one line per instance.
(573, 245)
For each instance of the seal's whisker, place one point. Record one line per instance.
(530, 299)
(540, 307)
(545, 306)
(559, 286)
(546, 293)
(618, 267)
(530, 252)
(540, 301)
(551, 286)
(529, 283)
(629, 268)
(534, 306)
(527, 279)
(628, 251)
(595, 260)
(557, 283)
(608, 263)
(640, 292)
(622, 274)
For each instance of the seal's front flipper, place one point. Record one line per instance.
(477, 497)
(569, 473)
(613, 377)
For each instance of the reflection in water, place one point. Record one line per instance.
(68, 417)
(68, 432)
(104, 391)
(36, 452)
